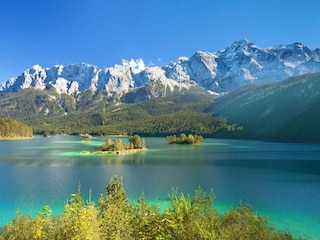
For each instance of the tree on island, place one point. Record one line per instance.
(109, 145)
(118, 145)
(184, 139)
(136, 142)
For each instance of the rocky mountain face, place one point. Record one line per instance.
(241, 64)
(77, 78)
(244, 63)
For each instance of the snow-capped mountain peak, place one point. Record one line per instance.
(240, 64)
(136, 65)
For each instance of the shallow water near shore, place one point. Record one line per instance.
(280, 180)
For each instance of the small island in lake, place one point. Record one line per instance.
(86, 137)
(11, 129)
(184, 139)
(136, 144)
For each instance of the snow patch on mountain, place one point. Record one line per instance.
(135, 65)
(247, 75)
(241, 64)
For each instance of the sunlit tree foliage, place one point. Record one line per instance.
(116, 217)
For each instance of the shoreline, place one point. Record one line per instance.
(15, 138)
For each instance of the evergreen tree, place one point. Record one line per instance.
(115, 214)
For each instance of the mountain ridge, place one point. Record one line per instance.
(281, 111)
(152, 100)
(241, 64)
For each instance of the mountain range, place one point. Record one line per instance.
(242, 91)
(241, 64)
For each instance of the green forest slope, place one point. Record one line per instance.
(93, 112)
(285, 111)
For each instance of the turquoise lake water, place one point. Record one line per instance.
(280, 180)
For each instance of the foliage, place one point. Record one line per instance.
(115, 212)
(115, 217)
(135, 142)
(43, 227)
(191, 217)
(243, 223)
(108, 145)
(78, 220)
(184, 139)
(21, 227)
(147, 220)
(10, 128)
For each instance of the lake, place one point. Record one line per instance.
(280, 180)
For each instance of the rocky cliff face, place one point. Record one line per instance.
(244, 63)
(241, 64)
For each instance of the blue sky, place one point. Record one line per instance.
(103, 32)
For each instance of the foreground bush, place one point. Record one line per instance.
(114, 217)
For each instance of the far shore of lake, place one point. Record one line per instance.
(14, 138)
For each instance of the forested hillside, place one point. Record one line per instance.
(95, 113)
(12, 129)
(285, 111)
